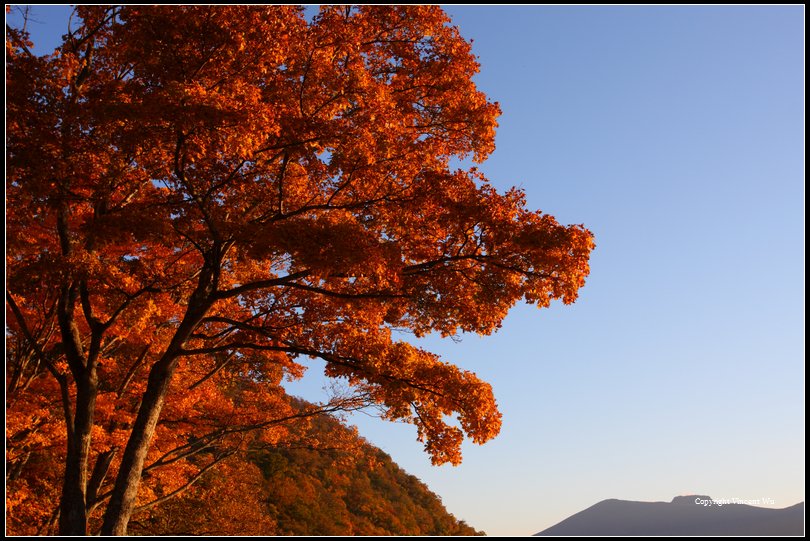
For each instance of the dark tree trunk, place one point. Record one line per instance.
(122, 501)
(73, 504)
(125, 491)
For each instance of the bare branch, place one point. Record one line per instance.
(60, 377)
(183, 488)
(213, 372)
(131, 371)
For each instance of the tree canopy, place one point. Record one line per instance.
(198, 196)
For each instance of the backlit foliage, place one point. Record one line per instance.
(197, 196)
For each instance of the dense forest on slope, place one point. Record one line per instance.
(321, 479)
(352, 489)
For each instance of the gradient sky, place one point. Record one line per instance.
(676, 135)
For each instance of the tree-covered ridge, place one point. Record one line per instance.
(368, 494)
(306, 489)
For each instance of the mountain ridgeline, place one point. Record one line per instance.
(307, 488)
(684, 515)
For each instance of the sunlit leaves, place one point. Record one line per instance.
(287, 181)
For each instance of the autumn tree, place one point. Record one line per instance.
(197, 196)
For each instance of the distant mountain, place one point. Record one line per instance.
(681, 516)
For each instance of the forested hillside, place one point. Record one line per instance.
(355, 489)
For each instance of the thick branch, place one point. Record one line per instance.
(100, 470)
(260, 284)
(340, 295)
(349, 362)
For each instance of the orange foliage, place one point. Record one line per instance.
(199, 195)
(347, 487)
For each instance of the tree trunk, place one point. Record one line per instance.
(122, 501)
(73, 504)
(125, 491)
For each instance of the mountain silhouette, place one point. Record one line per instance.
(681, 516)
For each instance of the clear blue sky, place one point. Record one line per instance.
(676, 134)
